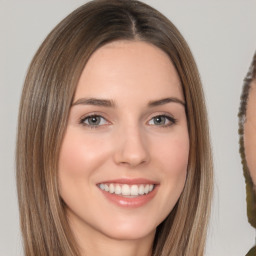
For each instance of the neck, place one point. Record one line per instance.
(115, 248)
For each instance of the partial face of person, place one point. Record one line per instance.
(250, 132)
(124, 157)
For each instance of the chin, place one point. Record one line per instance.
(130, 234)
(129, 228)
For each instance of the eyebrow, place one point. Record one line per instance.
(110, 103)
(94, 102)
(165, 101)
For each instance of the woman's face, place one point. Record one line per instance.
(250, 131)
(124, 157)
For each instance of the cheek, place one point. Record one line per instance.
(173, 161)
(250, 132)
(80, 157)
(79, 151)
(174, 156)
(250, 148)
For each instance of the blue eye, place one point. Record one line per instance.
(162, 120)
(93, 121)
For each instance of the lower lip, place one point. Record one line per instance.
(130, 202)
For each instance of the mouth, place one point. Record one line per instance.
(127, 190)
(131, 193)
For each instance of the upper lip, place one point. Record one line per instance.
(130, 181)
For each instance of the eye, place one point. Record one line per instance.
(162, 120)
(94, 121)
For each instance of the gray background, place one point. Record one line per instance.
(222, 36)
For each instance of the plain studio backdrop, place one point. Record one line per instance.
(222, 37)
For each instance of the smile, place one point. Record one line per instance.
(127, 190)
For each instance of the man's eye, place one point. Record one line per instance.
(93, 121)
(162, 120)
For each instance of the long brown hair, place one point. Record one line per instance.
(46, 99)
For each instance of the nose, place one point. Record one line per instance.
(131, 148)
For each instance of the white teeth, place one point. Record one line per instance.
(127, 190)
(134, 190)
(146, 189)
(118, 190)
(141, 189)
(111, 188)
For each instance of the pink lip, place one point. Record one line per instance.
(130, 202)
(130, 181)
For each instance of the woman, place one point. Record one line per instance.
(113, 153)
(247, 141)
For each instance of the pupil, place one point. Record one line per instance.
(94, 120)
(159, 120)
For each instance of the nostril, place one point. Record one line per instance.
(131, 149)
(131, 158)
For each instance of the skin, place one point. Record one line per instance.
(127, 143)
(250, 132)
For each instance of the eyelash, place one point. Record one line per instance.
(91, 126)
(171, 121)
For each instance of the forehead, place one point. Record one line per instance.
(130, 66)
